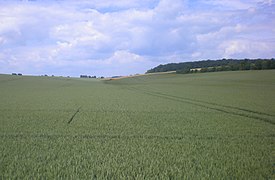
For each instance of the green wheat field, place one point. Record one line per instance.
(168, 126)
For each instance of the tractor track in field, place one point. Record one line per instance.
(211, 103)
(213, 106)
(71, 119)
(128, 137)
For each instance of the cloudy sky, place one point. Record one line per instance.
(107, 37)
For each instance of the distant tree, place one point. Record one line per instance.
(268, 64)
(204, 70)
(272, 64)
(83, 76)
(253, 66)
(258, 65)
(242, 65)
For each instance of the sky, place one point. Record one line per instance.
(123, 37)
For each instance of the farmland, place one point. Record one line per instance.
(217, 125)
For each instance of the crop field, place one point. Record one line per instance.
(167, 126)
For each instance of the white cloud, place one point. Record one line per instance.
(222, 33)
(239, 4)
(106, 37)
(2, 40)
(196, 54)
(246, 48)
(124, 57)
(80, 34)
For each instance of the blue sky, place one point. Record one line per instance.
(122, 37)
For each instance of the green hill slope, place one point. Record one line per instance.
(216, 65)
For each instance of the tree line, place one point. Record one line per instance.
(216, 65)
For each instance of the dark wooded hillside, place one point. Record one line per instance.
(216, 65)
